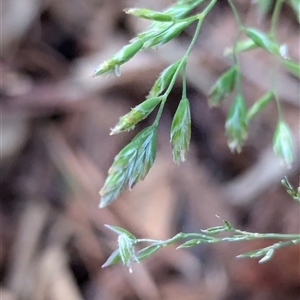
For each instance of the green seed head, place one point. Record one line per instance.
(283, 142)
(164, 79)
(137, 114)
(181, 131)
(182, 8)
(126, 250)
(149, 14)
(170, 33)
(259, 105)
(223, 86)
(236, 124)
(122, 56)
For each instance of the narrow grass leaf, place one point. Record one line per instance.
(259, 105)
(113, 258)
(120, 230)
(190, 243)
(168, 34)
(262, 40)
(146, 252)
(163, 80)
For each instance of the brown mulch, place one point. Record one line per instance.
(56, 151)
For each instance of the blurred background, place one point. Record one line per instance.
(56, 151)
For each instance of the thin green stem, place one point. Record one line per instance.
(274, 23)
(184, 95)
(183, 61)
(255, 235)
(208, 8)
(242, 235)
(274, 87)
(185, 57)
(180, 236)
(236, 15)
(275, 18)
(279, 110)
(234, 50)
(160, 110)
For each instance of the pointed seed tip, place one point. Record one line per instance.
(106, 264)
(102, 204)
(114, 131)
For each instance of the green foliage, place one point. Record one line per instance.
(208, 236)
(259, 105)
(130, 166)
(167, 25)
(262, 40)
(149, 14)
(136, 159)
(144, 253)
(121, 57)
